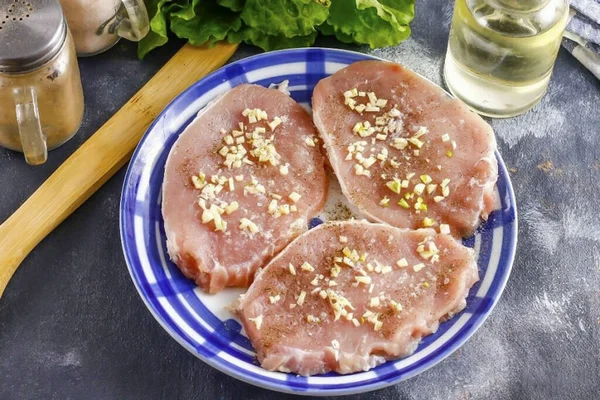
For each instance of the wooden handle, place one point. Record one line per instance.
(100, 156)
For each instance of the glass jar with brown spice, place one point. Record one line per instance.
(41, 98)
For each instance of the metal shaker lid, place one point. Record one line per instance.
(31, 33)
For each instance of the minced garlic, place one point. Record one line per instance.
(248, 225)
(301, 297)
(231, 207)
(428, 222)
(418, 267)
(444, 229)
(295, 197)
(307, 267)
(310, 141)
(274, 299)
(257, 321)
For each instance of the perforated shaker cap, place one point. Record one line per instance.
(31, 33)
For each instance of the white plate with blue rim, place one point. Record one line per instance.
(202, 323)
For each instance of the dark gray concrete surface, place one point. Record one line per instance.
(72, 325)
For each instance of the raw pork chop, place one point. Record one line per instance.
(347, 296)
(240, 184)
(406, 153)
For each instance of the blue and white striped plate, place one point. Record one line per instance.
(200, 322)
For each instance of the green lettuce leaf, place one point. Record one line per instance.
(233, 5)
(278, 24)
(289, 18)
(378, 23)
(328, 30)
(270, 42)
(158, 28)
(210, 23)
(185, 11)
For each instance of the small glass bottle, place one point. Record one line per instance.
(97, 25)
(41, 98)
(501, 53)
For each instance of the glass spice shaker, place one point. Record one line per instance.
(501, 52)
(97, 25)
(41, 98)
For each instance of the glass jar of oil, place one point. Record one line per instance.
(501, 52)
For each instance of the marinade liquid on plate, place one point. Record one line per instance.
(501, 52)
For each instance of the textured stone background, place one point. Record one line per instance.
(73, 327)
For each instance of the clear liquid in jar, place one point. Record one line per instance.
(500, 55)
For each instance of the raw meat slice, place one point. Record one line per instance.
(240, 183)
(347, 296)
(405, 152)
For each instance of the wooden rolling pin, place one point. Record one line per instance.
(101, 156)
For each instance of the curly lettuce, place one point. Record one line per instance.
(278, 24)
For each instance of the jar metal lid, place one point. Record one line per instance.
(31, 33)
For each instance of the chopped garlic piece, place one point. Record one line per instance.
(295, 197)
(419, 188)
(275, 123)
(198, 182)
(246, 224)
(292, 269)
(431, 188)
(257, 321)
(402, 263)
(284, 170)
(444, 229)
(427, 222)
(421, 131)
(374, 302)
(233, 206)
(445, 137)
(351, 93)
(400, 143)
(310, 141)
(416, 142)
(363, 279)
(301, 298)
(418, 267)
(425, 178)
(403, 203)
(274, 299)
(394, 185)
(307, 267)
(335, 271)
(396, 306)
